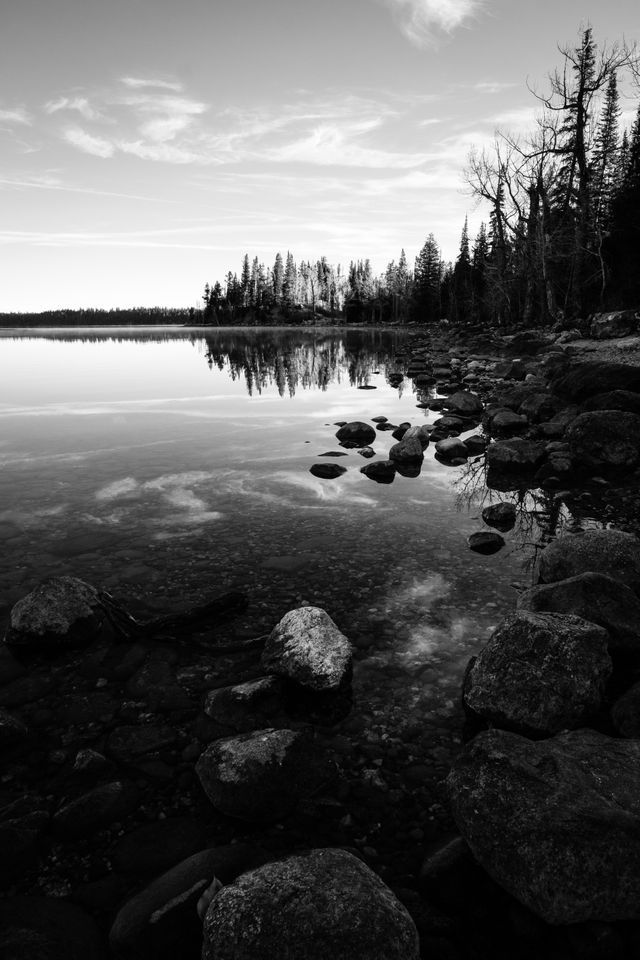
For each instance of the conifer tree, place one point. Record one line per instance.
(278, 278)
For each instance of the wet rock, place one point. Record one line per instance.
(465, 403)
(12, 730)
(608, 326)
(625, 713)
(421, 433)
(156, 847)
(485, 542)
(504, 421)
(246, 706)
(595, 597)
(261, 776)
(510, 370)
(502, 516)
(556, 822)
(538, 407)
(475, 445)
(611, 552)
(46, 928)
(325, 903)
(367, 452)
(79, 818)
(406, 450)
(382, 471)
(161, 922)
(605, 441)
(379, 419)
(450, 424)
(516, 455)
(334, 453)
(356, 432)
(387, 427)
(614, 400)
(584, 380)
(327, 471)
(307, 647)
(539, 673)
(451, 449)
(59, 612)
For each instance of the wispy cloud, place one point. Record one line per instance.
(96, 146)
(422, 21)
(79, 104)
(45, 182)
(164, 117)
(15, 115)
(140, 82)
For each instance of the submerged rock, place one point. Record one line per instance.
(59, 612)
(485, 542)
(261, 776)
(306, 646)
(502, 516)
(555, 822)
(325, 903)
(406, 450)
(611, 552)
(539, 673)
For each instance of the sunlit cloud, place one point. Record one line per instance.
(80, 104)
(137, 83)
(15, 115)
(422, 21)
(96, 146)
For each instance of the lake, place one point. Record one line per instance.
(167, 466)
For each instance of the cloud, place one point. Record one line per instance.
(79, 104)
(422, 20)
(138, 82)
(96, 146)
(15, 115)
(168, 116)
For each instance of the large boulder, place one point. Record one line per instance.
(555, 822)
(356, 432)
(614, 400)
(595, 597)
(464, 403)
(261, 776)
(583, 380)
(59, 612)
(325, 903)
(421, 432)
(539, 673)
(48, 928)
(382, 471)
(503, 421)
(611, 552)
(608, 326)
(408, 449)
(451, 449)
(307, 647)
(605, 441)
(516, 455)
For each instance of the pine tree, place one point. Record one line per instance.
(427, 281)
(278, 278)
(289, 283)
(462, 292)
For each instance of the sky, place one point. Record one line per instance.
(147, 145)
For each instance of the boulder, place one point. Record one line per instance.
(464, 403)
(608, 326)
(625, 713)
(502, 516)
(584, 380)
(367, 452)
(160, 922)
(48, 928)
(452, 449)
(382, 471)
(504, 421)
(475, 445)
(356, 432)
(611, 552)
(261, 776)
(595, 597)
(406, 450)
(555, 822)
(307, 647)
(246, 706)
(485, 542)
(614, 400)
(605, 441)
(538, 407)
(59, 612)
(79, 818)
(327, 471)
(539, 673)
(422, 433)
(325, 903)
(515, 455)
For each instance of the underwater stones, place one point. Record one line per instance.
(327, 471)
(356, 432)
(307, 647)
(595, 597)
(611, 552)
(324, 903)
(485, 542)
(502, 516)
(555, 822)
(59, 612)
(382, 471)
(261, 776)
(539, 673)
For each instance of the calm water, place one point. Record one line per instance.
(166, 467)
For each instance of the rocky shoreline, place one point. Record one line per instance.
(142, 778)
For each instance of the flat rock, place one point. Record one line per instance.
(322, 904)
(555, 822)
(611, 552)
(261, 776)
(595, 597)
(539, 673)
(306, 646)
(59, 612)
